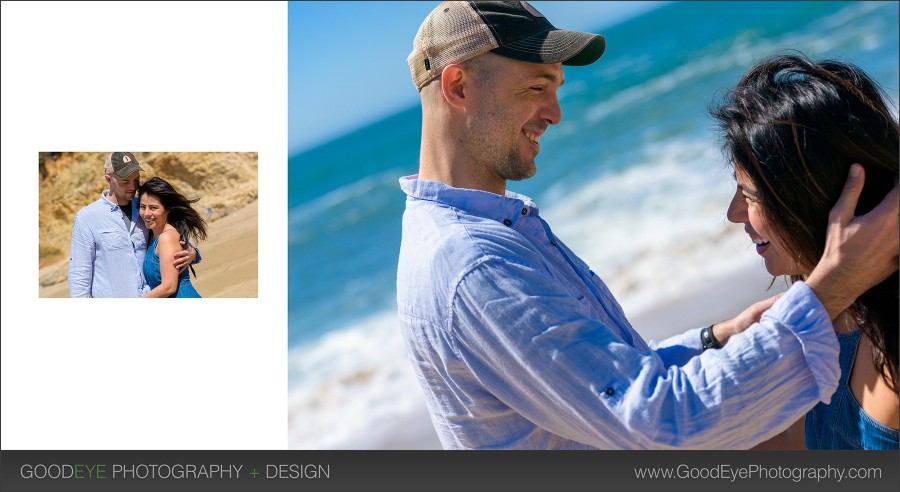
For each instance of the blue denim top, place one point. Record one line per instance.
(154, 276)
(843, 424)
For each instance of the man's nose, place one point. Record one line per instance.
(552, 112)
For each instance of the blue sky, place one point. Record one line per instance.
(347, 60)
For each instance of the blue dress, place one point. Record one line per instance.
(843, 424)
(154, 277)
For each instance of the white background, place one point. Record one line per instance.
(132, 374)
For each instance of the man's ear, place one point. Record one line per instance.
(107, 178)
(454, 84)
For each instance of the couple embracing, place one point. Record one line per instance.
(134, 241)
(518, 344)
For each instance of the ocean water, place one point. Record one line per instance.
(632, 180)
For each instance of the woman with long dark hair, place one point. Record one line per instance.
(792, 129)
(170, 219)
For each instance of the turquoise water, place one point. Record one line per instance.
(631, 179)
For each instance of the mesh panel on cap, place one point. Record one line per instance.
(453, 32)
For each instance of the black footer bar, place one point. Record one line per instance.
(467, 471)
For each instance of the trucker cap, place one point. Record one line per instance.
(457, 31)
(122, 164)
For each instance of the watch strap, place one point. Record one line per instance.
(708, 340)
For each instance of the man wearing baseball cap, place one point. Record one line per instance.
(516, 342)
(109, 238)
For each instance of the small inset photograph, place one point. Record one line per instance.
(148, 224)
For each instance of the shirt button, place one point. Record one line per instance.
(525, 211)
(507, 222)
(610, 391)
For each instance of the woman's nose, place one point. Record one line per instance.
(737, 209)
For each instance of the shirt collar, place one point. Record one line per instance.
(509, 207)
(104, 198)
(115, 206)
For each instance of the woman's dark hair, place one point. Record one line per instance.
(794, 127)
(186, 220)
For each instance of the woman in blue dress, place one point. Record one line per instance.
(170, 219)
(794, 129)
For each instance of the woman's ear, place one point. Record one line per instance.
(454, 80)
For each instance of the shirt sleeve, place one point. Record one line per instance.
(535, 347)
(679, 349)
(81, 259)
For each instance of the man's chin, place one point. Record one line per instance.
(124, 199)
(523, 174)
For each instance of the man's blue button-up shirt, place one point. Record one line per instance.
(106, 258)
(519, 345)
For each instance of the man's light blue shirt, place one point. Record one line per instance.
(106, 258)
(517, 344)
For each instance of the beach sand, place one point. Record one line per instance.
(229, 259)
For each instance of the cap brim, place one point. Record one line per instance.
(128, 171)
(556, 46)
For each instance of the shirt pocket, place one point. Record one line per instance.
(111, 240)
